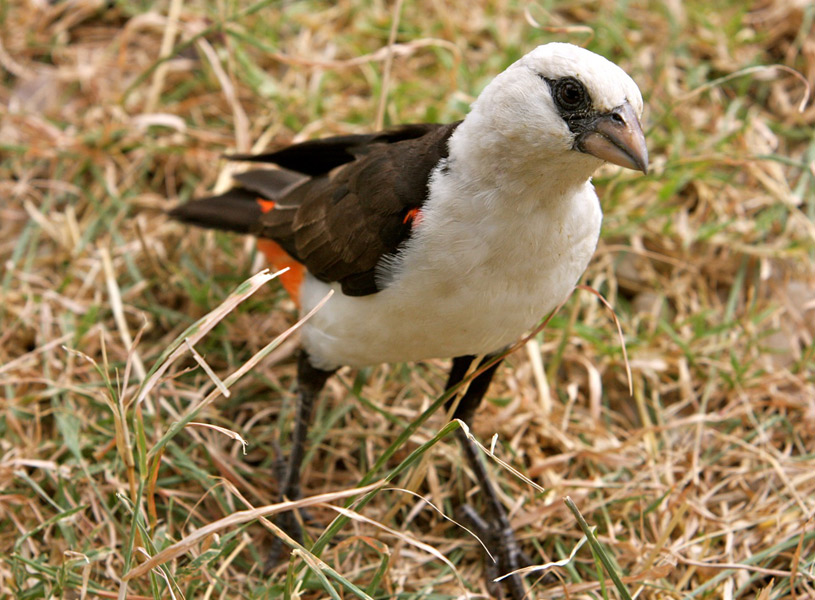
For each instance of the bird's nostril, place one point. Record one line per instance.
(618, 118)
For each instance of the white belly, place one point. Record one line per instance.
(460, 286)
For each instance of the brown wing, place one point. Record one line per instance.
(318, 157)
(340, 204)
(340, 225)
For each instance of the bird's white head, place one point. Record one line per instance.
(564, 107)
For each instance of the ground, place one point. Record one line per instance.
(700, 482)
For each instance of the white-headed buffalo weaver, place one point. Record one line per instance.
(441, 240)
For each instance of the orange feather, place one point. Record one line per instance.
(292, 279)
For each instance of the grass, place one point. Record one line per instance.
(699, 485)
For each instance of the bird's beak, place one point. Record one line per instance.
(616, 137)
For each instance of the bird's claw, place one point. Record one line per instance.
(507, 556)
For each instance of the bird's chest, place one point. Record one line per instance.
(503, 273)
(466, 283)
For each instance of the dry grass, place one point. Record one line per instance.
(701, 485)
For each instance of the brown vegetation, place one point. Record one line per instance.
(701, 484)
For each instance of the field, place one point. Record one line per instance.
(116, 444)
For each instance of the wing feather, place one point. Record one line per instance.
(347, 221)
(337, 205)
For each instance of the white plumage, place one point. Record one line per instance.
(509, 226)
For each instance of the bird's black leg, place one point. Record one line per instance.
(493, 528)
(310, 381)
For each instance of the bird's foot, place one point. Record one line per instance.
(507, 555)
(293, 527)
(279, 550)
(288, 520)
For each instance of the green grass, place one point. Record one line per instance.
(698, 486)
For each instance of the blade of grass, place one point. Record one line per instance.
(598, 551)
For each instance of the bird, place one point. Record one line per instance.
(441, 240)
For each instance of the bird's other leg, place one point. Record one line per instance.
(310, 381)
(493, 527)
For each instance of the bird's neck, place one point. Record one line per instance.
(488, 158)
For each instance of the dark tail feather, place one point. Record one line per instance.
(237, 210)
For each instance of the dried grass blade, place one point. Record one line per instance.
(386, 71)
(317, 567)
(749, 71)
(501, 462)
(223, 430)
(546, 566)
(239, 518)
(533, 351)
(116, 305)
(619, 332)
(207, 369)
(240, 372)
(444, 516)
(409, 539)
(242, 138)
(167, 40)
(200, 328)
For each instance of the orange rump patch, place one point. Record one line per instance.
(292, 279)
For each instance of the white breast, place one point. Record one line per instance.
(476, 274)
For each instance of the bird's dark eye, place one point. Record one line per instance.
(570, 95)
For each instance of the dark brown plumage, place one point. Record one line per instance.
(345, 206)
